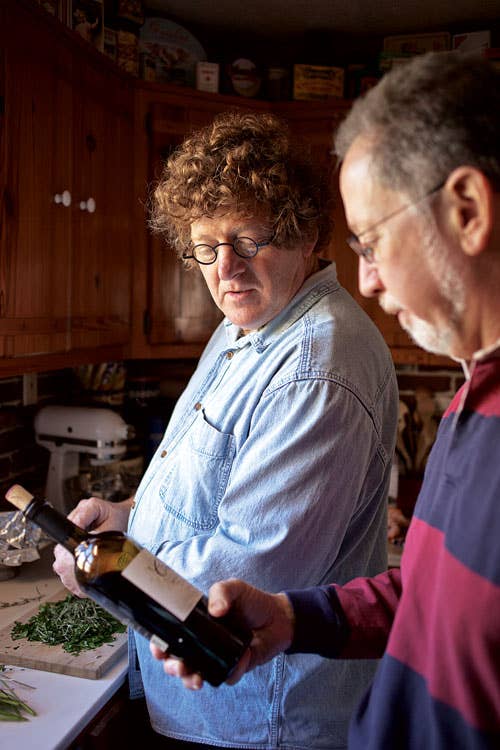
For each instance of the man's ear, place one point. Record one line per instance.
(471, 196)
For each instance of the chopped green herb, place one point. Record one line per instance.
(78, 624)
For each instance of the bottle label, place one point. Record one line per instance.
(162, 584)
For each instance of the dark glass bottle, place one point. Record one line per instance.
(142, 591)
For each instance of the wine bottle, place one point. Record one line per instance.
(142, 591)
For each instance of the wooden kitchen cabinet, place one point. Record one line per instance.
(66, 137)
(112, 727)
(36, 159)
(315, 123)
(102, 230)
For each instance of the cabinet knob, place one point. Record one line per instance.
(64, 198)
(88, 205)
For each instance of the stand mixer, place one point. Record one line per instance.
(70, 431)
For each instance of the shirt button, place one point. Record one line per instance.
(163, 454)
(229, 355)
(197, 406)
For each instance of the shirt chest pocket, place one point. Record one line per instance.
(195, 477)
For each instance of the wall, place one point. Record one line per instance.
(21, 459)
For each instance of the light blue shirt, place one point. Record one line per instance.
(275, 469)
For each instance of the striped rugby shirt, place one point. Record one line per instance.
(438, 618)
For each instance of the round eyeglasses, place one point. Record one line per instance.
(245, 247)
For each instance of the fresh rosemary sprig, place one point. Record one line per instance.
(12, 708)
(78, 624)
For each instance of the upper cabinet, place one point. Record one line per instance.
(82, 278)
(315, 126)
(66, 132)
(102, 224)
(36, 180)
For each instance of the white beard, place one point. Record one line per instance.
(437, 339)
(429, 337)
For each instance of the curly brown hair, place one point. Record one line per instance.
(248, 163)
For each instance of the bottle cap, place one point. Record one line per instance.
(18, 496)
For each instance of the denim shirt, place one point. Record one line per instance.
(274, 468)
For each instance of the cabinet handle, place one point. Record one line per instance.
(64, 198)
(88, 205)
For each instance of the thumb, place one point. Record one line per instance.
(220, 598)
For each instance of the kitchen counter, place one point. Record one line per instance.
(64, 705)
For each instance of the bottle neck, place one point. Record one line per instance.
(57, 526)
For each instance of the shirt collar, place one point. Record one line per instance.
(487, 351)
(314, 287)
(479, 356)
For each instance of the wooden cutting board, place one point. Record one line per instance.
(90, 664)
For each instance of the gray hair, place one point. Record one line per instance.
(427, 117)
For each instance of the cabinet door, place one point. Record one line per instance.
(101, 231)
(314, 126)
(36, 157)
(180, 307)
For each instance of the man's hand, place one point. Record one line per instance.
(96, 515)
(397, 525)
(269, 616)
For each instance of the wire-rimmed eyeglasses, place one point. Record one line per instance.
(245, 247)
(367, 251)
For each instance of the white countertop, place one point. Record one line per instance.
(64, 705)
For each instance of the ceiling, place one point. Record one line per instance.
(291, 18)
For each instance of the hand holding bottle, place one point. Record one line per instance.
(96, 515)
(269, 616)
(138, 588)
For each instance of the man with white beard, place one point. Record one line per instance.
(420, 181)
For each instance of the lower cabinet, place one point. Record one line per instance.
(121, 723)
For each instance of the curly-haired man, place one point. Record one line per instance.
(275, 465)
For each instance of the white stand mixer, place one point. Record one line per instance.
(69, 431)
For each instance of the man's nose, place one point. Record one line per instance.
(228, 263)
(369, 281)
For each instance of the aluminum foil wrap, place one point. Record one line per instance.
(19, 539)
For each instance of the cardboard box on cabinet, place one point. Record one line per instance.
(317, 82)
